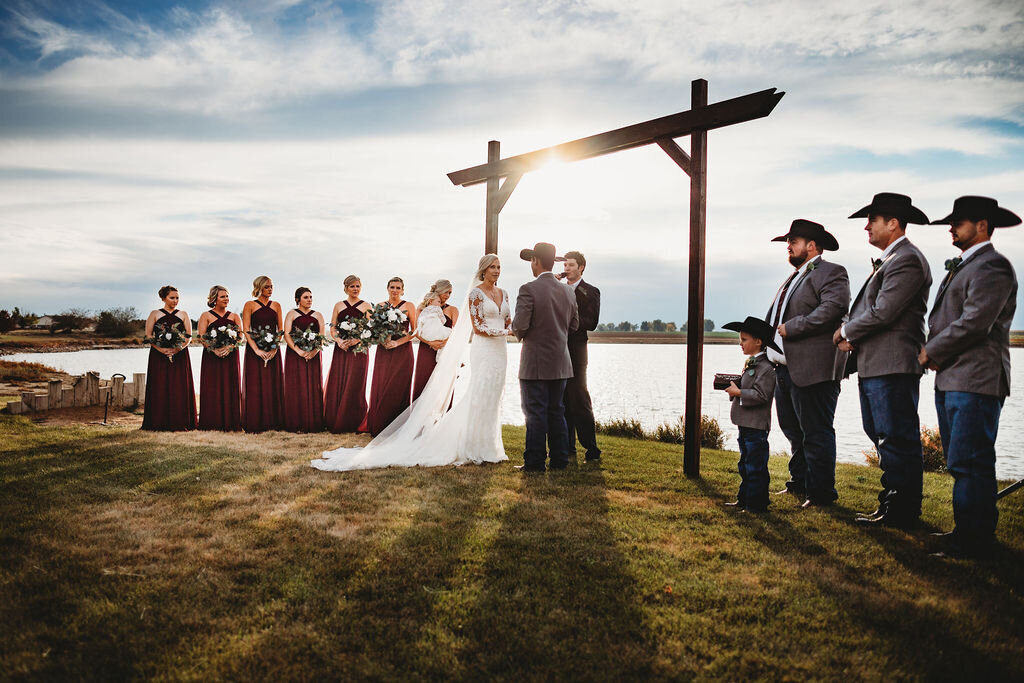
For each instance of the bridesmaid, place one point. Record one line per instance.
(263, 380)
(220, 401)
(345, 396)
(392, 367)
(426, 355)
(170, 392)
(303, 376)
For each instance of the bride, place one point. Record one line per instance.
(427, 433)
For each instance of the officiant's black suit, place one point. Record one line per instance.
(579, 410)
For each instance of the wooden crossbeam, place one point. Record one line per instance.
(727, 112)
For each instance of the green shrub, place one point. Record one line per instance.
(630, 429)
(116, 322)
(711, 435)
(25, 372)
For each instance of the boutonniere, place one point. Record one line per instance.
(811, 266)
(953, 263)
(748, 367)
(876, 264)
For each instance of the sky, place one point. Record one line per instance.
(195, 143)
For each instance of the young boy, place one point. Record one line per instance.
(752, 411)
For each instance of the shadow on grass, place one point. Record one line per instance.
(920, 638)
(557, 601)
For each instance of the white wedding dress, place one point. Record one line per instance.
(427, 433)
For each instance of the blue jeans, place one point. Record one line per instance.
(753, 468)
(888, 410)
(968, 424)
(806, 416)
(544, 410)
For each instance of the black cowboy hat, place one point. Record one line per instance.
(976, 208)
(540, 250)
(812, 231)
(755, 327)
(892, 204)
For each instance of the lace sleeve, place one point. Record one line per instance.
(476, 300)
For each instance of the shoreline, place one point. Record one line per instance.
(67, 344)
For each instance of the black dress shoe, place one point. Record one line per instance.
(734, 504)
(890, 520)
(592, 458)
(949, 535)
(530, 470)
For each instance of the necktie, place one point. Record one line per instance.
(781, 299)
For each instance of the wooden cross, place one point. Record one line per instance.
(696, 123)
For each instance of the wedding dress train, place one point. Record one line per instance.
(427, 434)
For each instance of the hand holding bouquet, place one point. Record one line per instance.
(168, 337)
(386, 323)
(354, 329)
(266, 339)
(308, 340)
(225, 337)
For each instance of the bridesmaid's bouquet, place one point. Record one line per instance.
(308, 339)
(354, 328)
(168, 337)
(386, 323)
(227, 336)
(266, 338)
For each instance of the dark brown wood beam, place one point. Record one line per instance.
(745, 108)
(676, 153)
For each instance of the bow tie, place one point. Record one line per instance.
(876, 264)
(953, 263)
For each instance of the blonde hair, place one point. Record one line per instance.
(436, 289)
(485, 262)
(211, 298)
(258, 284)
(349, 280)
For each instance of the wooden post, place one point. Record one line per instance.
(54, 394)
(79, 391)
(92, 388)
(67, 397)
(128, 399)
(28, 399)
(117, 392)
(15, 407)
(139, 380)
(491, 225)
(695, 289)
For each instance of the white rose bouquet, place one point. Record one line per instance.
(308, 339)
(168, 337)
(224, 337)
(386, 323)
(354, 328)
(266, 338)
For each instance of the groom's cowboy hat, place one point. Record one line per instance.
(811, 231)
(892, 204)
(755, 327)
(976, 208)
(540, 250)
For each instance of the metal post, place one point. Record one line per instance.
(695, 305)
(491, 225)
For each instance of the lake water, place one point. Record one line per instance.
(646, 382)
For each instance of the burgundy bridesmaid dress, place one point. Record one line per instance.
(170, 392)
(220, 392)
(345, 397)
(391, 385)
(303, 388)
(426, 359)
(262, 385)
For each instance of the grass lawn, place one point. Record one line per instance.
(126, 554)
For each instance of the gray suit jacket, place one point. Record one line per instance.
(753, 407)
(886, 322)
(545, 313)
(813, 313)
(969, 327)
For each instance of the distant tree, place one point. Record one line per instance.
(625, 327)
(23, 319)
(6, 322)
(670, 327)
(657, 325)
(70, 320)
(709, 325)
(645, 326)
(116, 322)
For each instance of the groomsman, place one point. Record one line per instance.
(806, 311)
(579, 410)
(884, 333)
(969, 345)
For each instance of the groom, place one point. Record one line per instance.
(545, 313)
